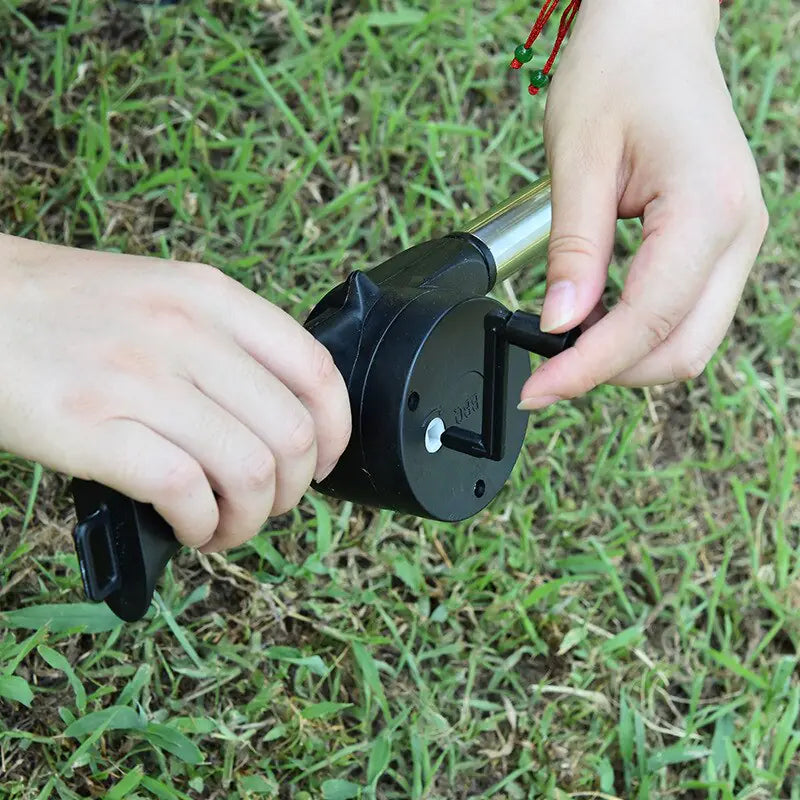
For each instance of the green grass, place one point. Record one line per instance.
(623, 621)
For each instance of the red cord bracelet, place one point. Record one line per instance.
(523, 54)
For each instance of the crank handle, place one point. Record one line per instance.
(503, 329)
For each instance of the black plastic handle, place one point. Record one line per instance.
(123, 546)
(503, 329)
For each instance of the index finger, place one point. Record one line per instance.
(295, 358)
(666, 276)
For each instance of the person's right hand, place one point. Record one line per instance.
(640, 123)
(168, 382)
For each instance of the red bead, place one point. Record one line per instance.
(516, 64)
(533, 90)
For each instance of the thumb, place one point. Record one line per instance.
(581, 241)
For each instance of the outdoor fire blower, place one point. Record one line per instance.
(434, 370)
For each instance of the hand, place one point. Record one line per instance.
(166, 381)
(639, 123)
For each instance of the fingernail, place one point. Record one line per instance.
(559, 306)
(535, 403)
(323, 472)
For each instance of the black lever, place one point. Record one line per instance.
(503, 329)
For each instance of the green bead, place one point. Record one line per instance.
(523, 54)
(539, 79)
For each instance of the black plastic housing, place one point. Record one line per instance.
(409, 339)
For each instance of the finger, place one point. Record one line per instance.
(652, 305)
(292, 355)
(297, 359)
(144, 466)
(581, 239)
(239, 384)
(240, 468)
(688, 350)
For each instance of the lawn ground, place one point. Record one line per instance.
(623, 621)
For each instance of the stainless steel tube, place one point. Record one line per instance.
(518, 230)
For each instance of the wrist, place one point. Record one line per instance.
(701, 16)
(637, 25)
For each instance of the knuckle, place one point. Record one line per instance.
(259, 470)
(342, 438)
(302, 435)
(209, 285)
(323, 368)
(131, 359)
(177, 478)
(735, 199)
(205, 273)
(657, 326)
(85, 403)
(571, 245)
(588, 377)
(169, 316)
(693, 365)
(736, 194)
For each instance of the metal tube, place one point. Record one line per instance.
(518, 230)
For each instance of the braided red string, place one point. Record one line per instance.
(567, 18)
(544, 15)
(563, 29)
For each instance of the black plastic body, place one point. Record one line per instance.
(408, 337)
(417, 342)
